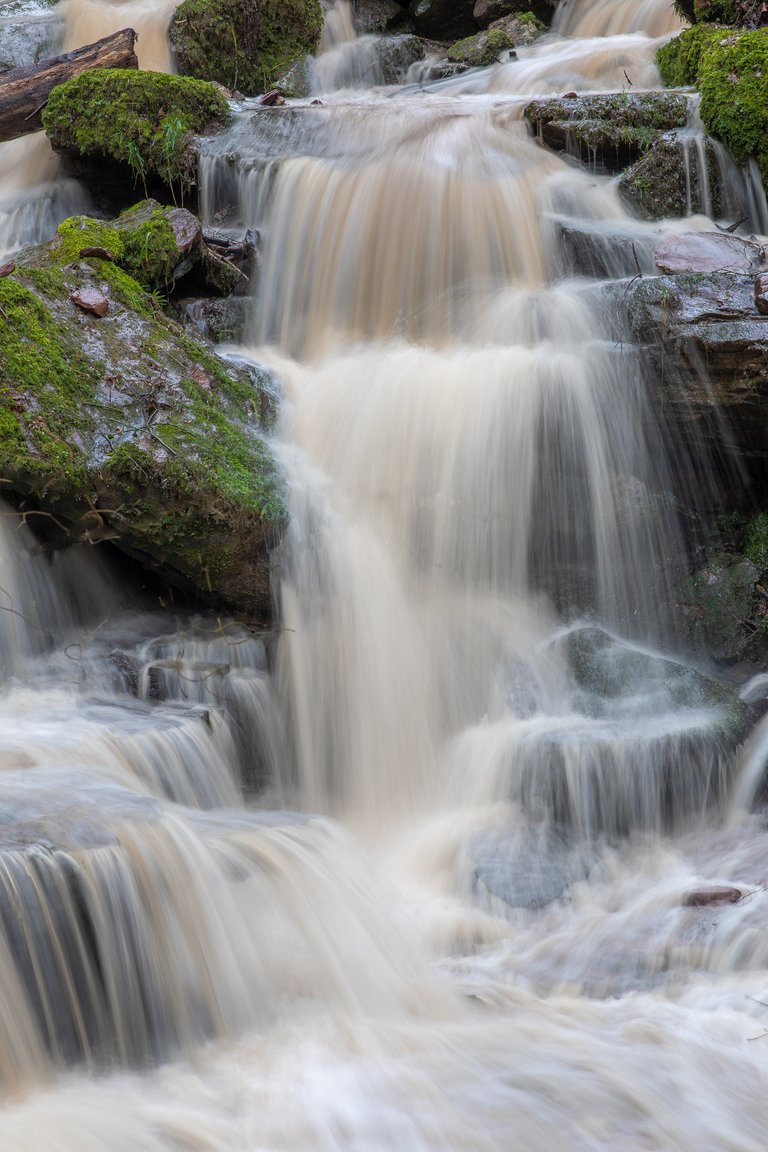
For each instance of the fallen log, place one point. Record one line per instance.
(25, 91)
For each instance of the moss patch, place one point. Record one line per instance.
(679, 60)
(144, 121)
(733, 78)
(244, 44)
(480, 50)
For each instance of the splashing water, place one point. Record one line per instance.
(475, 676)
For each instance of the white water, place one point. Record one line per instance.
(473, 935)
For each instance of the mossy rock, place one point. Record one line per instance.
(142, 122)
(523, 28)
(679, 60)
(733, 78)
(244, 44)
(658, 185)
(128, 428)
(480, 50)
(707, 11)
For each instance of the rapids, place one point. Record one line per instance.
(411, 872)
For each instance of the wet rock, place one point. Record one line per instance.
(667, 181)
(480, 50)
(704, 348)
(613, 129)
(296, 82)
(272, 98)
(761, 293)
(711, 897)
(708, 252)
(91, 300)
(136, 419)
(396, 55)
(220, 321)
(584, 248)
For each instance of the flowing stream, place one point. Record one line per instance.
(410, 873)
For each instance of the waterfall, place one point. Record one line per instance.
(434, 864)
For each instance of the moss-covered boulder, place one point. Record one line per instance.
(679, 59)
(124, 129)
(612, 129)
(126, 427)
(244, 44)
(733, 79)
(480, 50)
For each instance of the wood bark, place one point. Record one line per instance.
(25, 91)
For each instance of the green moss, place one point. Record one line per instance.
(150, 250)
(244, 44)
(533, 22)
(44, 379)
(680, 59)
(757, 541)
(79, 232)
(480, 50)
(143, 120)
(733, 78)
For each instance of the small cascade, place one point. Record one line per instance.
(347, 60)
(581, 19)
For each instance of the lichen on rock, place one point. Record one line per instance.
(244, 44)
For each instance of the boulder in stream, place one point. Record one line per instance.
(127, 428)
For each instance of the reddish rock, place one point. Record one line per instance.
(711, 897)
(761, 293)
(6, 269)
(707, 252)
(91, 300)
(187, 229)
(272, 98)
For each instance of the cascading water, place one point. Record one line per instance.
(468, 673)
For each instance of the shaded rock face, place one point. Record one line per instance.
(244, 44)
(126, 427)
(672, 178)
(443, 19)
(612, 130)
(375, 17)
